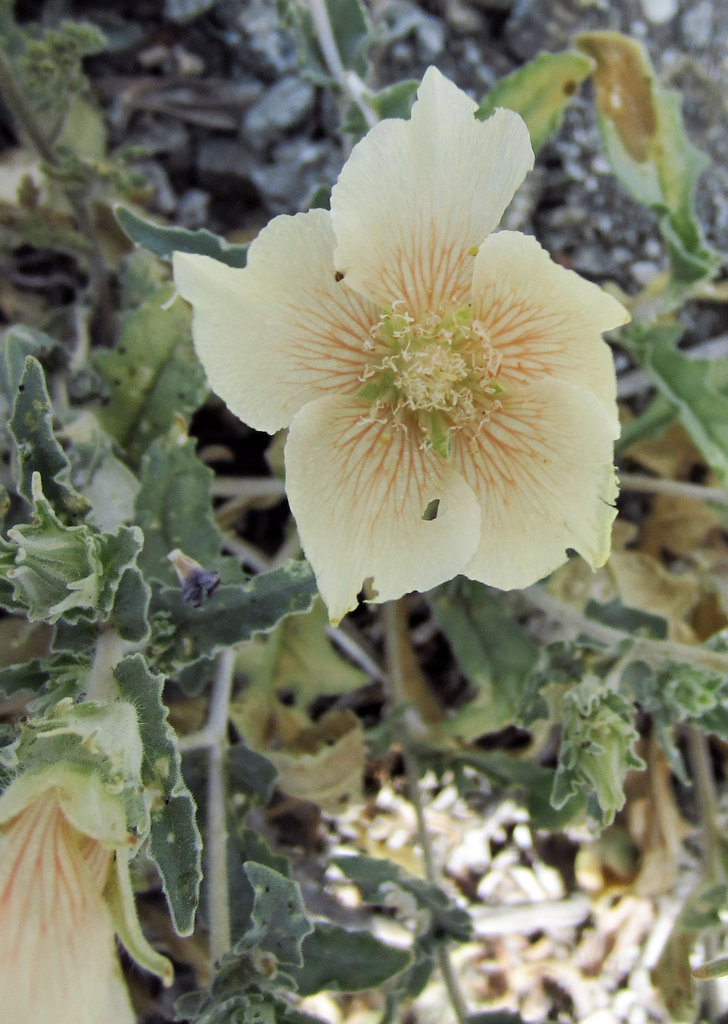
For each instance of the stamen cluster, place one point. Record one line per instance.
(437, 373)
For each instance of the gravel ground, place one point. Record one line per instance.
(234, 134)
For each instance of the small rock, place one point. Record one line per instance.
(463, 19)
(268, 49)
(406, 21)
(283, 107)
(193, 209)
(697, 25)
(156, 135)
(223, 165)
(155, 176)
(659, 11)
(643, 271)
(430, 36)
(299, 167)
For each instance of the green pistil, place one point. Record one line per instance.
(439, 432)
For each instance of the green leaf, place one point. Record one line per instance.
(342, 961)
(676, 693)
(175, 842)
(650, 423)
(253, 1007)
(697, 389)
(107, 484)
(534, 783)
(278, 921)
(381, 881)
(491, 650)
(539, 91)
(19, 342)
(163, 241)
(130, 613)
(597, 747)
(298, 657)
(70, 571)
(174, 509)
(152, 375)
(38, 449)
(232, 614)
(30, 675)
(250, 774)
(648, 148)
(629, 620)
(349, 26)
(392, 101)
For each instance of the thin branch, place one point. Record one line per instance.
(707, 801)
(395, 635)
(347, 640)
(643, 648)
(654, 485)
(248, 488)
(217, 832)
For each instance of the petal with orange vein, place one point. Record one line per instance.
(542, 470)
(544, 320)
(58, 959)
(283, 330)
(359, 491)
(417, 197)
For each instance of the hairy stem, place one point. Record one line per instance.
(395, 623)
(110, 649)
(217, 832)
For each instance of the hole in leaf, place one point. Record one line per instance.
(432, 510)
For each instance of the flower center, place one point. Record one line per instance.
(437, 374)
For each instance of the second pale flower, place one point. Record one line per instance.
(449, 398)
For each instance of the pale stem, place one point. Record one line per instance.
(677, 488)
(395, 635)
(247, 488)
(704, 782)
(644, 648)
(217, 832)
(110, 649)
(348, 80)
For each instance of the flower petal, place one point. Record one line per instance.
(282, 331)
(545, 321)
(542, 470)
(58, 959)
(359, 490)
(417, 197)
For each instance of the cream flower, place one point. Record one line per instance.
(64, 891)
(449, 398)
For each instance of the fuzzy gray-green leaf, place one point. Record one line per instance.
(175, 843)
